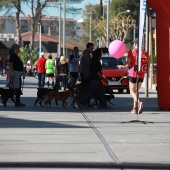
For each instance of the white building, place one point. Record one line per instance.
(79, 31)
(50, 25)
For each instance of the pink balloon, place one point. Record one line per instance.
(117, 49)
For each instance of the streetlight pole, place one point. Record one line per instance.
(59, 32)
(108, 23)
(122, 13)
(90, 27)
(134, 31)
(39, 39)
(104, 3)
(103, 12)
(147, 49)
(64, 24)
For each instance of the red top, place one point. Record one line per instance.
(133, 57)
(41, 65)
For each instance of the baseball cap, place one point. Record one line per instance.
(135, 40)
(42, 54)
(15, 46)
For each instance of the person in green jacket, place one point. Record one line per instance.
(49, 65)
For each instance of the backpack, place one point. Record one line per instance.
(144, 64)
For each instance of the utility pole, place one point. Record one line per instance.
(90, 37)
(39, 39)
(108, 23)
(147, 48)
(64, 24)
(59, 31)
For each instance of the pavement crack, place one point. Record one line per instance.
(102, 139)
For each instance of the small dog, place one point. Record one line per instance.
(80, 89)
(78, 92)
(59, 95)
(109, 94)
(41, 92)
(6, 94)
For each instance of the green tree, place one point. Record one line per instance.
(118, 6)
(101, 9)
(119, 28)
(26, 54)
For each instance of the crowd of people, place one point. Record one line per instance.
(64, 73)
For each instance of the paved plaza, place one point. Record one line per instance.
(68, 138)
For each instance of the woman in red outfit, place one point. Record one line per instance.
(131, 63)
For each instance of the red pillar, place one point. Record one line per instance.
(162, 9)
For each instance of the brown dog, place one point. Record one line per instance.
(41, 92)
(60, 95)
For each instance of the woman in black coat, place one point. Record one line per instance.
(95, 85)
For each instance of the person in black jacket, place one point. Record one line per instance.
(63, 72)
(16, 71)
(95, 84)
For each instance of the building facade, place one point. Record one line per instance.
(50, 26)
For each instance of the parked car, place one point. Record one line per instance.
(117, 78)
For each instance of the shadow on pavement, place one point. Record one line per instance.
(122, 104)
(22, 123)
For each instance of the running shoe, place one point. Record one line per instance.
(134, 111)
(140, 107)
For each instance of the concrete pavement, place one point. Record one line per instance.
(87, 138)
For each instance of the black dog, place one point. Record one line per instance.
(6, 94)
(41, 93)
(78, 92)
(109, 94)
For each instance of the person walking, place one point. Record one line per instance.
(41, 70)
(49, 66)
(85, 63)
(57, 78)
(16, 71)
(74, 66)
(134, 79)
(63, 72)
(95, 85)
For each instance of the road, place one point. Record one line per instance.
(66, 138)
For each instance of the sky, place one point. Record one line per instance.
(54, 11)
(51, 11)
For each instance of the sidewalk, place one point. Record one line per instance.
(88, 138)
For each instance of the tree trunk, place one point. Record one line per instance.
(32, 35)
(17, 28)
(18, 6)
